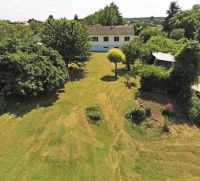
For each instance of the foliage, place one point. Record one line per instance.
(186, 70)
(70, 38)
(152, 77)
(138, 114)
(188, 20)
(174, 8)
(166, 45)
(132, 51)
(3, 104)
(149, 32)
(197, 35)
(115, 56)
(30, 69)
(35, 25)
(18, 31)
(109, 16)
(194, 109)
(177, 34)
(94, 114)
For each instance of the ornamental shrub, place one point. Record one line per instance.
(94, 114)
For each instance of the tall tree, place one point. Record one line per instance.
(118, 14)
(174, 8)
(70, 38)
(76, 17)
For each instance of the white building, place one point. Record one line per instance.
(107, 37)
(164, 59)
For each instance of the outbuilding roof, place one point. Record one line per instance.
(164, 56)
(196, 88)
(111, 30)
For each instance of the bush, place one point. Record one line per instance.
(177, 34)
(152, 77)
(3, 104)
(168, 110)
(94, 114)
(194, 110)
(138, 114)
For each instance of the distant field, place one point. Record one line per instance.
(146, 20)
(49, 138)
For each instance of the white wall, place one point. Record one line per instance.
(111, 40)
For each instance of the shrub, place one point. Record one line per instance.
(152, 77)
(3, 104)
(94, 114)
(194, 110)
(168, 110)
(177, 34)
(138, 114)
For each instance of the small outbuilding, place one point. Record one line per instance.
(196, 88)
(164, 59)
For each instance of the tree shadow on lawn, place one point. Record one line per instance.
(109, 78)
(19, 106)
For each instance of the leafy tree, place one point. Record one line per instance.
(109, 16)
(186, 70)
(35, 25)
(187, 20)
(164, 44)
(30, 69)
(174, 8)
(118, 14)
(197, 35)
(177, 34)
(196, 8)
(149, 32)
(115, 56)
(70, 38)
(134, 50)
(18, 31)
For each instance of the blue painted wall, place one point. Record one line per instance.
(103, 48)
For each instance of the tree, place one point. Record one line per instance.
(197, 35)
(70, 38)
(187, 20)
(76, 17)
(174, 8)
(35, 25)
(132, 51)
(18, 31)
(149, 32)
(196, 8)
(177, 34)
(115, 56)
(186, 70)
(30, 69)
(109, 16)
(118, 14)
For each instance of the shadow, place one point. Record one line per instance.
(19, 106)
(109, 78)
(76, 74)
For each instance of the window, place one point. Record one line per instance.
(116, 38)
(106, 38)
(95, 39)
(127, 38)
(105, 47)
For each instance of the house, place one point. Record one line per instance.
(106, 37)
(164, 59)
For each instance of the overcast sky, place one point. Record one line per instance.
(22, 10)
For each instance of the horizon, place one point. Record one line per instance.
(23, 10)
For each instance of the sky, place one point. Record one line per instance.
(22, 10)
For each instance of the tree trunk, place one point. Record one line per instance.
(115, 69)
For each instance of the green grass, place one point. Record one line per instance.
(50, 139)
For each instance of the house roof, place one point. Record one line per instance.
(111, 30)
(164, 56)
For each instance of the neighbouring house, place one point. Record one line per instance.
(106, 37)
(164, 59)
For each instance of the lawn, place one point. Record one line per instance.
(49, 138)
